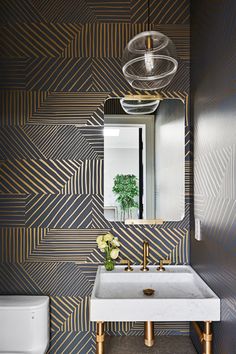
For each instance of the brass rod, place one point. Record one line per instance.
(149, 333)
(144, 222)
(208, 327)
(100, 337)
(143, 97)
(207, 336)
(198, 330)
(149, 43)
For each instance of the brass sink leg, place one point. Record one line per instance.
(149, 333)
(204, 336)
(100, 337)
(207, 338)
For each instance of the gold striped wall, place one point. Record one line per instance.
(59, 62)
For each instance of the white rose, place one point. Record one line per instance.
(114, 253)
(102, 245)
(108, 237)
(99, 239)
(115, 242)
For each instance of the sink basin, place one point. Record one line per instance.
(180, 295)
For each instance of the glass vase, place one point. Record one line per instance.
(109, 263)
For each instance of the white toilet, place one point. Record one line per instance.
(24, 324)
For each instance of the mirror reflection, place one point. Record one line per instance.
(144, 163)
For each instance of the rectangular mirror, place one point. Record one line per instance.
(144, 163)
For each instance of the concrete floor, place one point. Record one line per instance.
(163, 345)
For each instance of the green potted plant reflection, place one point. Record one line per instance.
(109, 245)
(126, 189)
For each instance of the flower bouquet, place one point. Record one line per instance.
(109, 245)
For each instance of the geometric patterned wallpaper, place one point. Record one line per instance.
(59, 62)
(214, 98)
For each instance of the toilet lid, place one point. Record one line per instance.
(22, 301)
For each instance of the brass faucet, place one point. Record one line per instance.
(128, 268)
(161, 268)
(145, 255)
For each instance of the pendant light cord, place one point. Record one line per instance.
(149, 42)
(149, 26)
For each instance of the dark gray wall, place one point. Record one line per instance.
(214, 111)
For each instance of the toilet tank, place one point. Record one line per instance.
(24, 324)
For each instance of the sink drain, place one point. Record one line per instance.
(148, 292)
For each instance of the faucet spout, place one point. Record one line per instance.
(145, 255)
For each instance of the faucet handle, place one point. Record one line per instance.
(162, 262)
(127, 261)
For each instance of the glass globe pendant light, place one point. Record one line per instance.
(149, 60)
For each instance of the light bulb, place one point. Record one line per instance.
(149, 61)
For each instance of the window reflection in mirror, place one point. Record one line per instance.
(144, 162)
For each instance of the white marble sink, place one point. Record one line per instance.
(180, 295)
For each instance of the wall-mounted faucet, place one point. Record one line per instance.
(145, 255)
